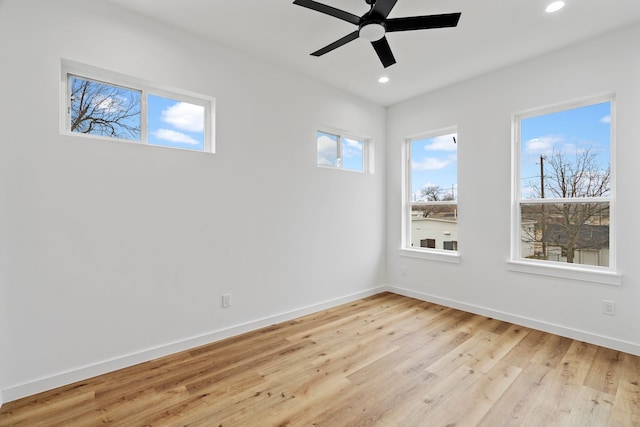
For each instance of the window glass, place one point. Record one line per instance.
(175, 123)
(103, 109)
(343, 152)
(104, 104)
(327, 149)
(433, 178)
(352, 154)
(565, 186)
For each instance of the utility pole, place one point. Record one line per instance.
(541, 176)
(542, 214)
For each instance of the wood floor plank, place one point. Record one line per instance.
(479, 398)
(626, 411)
(591, 408)
(40, 413)
(604, 372)
(384, 360)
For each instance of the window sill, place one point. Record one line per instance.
(441, 256)
(567, 272)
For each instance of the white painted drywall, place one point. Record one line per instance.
(118, 249)
(481, 109)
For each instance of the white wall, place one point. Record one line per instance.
(120, 252)
(481, 109)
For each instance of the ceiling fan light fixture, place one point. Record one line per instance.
(373, 25)
(372, 31)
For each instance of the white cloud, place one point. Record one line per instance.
(606, 119)
(185, 116)
(327, 153)
(173, 136)
(542, 145)
(430, 164)
(442, 143)
(351, 148)
(110, 104)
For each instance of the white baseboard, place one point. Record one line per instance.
(601, 340)
(99, 368)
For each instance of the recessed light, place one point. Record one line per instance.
(554, 7)
(383, 79)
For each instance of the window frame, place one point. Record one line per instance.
(367, 149)
(433, 254)
(581, 272)
(86, 72)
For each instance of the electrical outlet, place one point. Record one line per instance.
(608, 307)
(226, 300)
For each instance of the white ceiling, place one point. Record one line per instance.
(490, 35)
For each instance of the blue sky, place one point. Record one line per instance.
(434, 161)
(175, 124)
(171, 123)
(352, 151)
(567, 132)
(108, 100)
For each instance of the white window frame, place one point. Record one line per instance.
(406, 249)
(595, 274)
(83, 71)
(367, 149)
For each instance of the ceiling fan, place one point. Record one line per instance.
(374, 24)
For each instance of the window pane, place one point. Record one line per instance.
(451, 245)
(434, 168)
(434, 192)
(428, 243)
(567, 153)
(176, 124)
(575, 233)
(102, 109)
(352, 154)
(327, 149)
(433, 225)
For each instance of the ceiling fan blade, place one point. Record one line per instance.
(423, 22)
(382, 8)
(336, 44)
(328, 10)
(384, 52)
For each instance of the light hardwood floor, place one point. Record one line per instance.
(385, 360)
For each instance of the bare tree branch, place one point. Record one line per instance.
(103, 109)
(579, 177)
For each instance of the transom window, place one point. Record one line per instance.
(563, 185)
(432, 199)
(101, 104)
(342, 151)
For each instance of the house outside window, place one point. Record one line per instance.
(432, 192)
(564, 185)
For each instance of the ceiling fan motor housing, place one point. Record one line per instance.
(375, 24)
